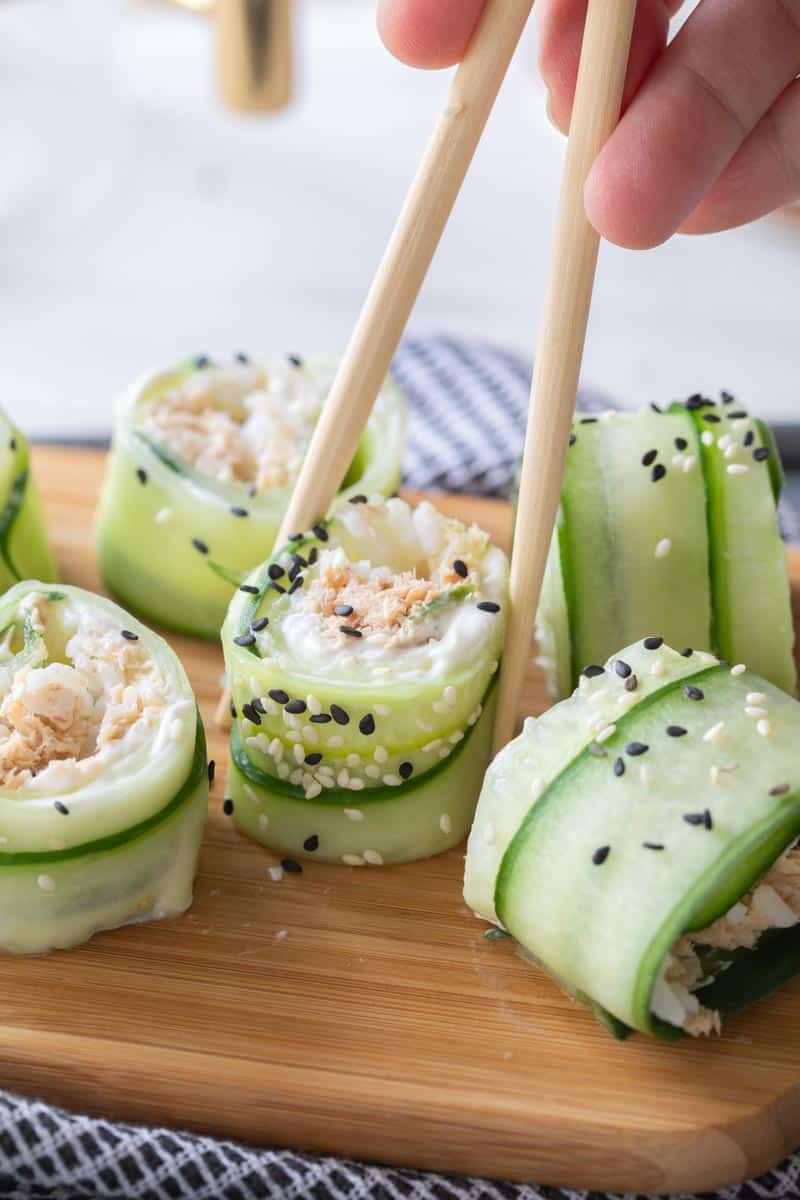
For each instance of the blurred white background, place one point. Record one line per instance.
(141, 222)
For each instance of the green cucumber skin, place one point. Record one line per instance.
(614, 515)
(154, 568)
(401, 824)
(24, 547)
(606, 929)
(749, 572)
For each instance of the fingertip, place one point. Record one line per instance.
(428, 35)
(620, 213)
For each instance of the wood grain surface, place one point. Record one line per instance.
(361, 1012)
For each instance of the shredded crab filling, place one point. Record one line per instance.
(774, 903)
(239, 424)
(75, 712)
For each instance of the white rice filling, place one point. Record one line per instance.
(773, 904)
(64, 722)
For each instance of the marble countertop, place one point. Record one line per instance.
(140, 221)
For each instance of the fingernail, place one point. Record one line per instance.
(548, 108)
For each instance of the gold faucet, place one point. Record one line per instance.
(254, 50)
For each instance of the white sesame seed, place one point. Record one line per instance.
(537, 785)
(445, 824)
(424, 726)
(584, 683)
(740, 422)
(730, 767)
(645, 778)
(46, 883)
(263, 822)
(657, 668)
(663, 547)
(678, 460)
(313, 790)
(756, 697)
(296, 777)
(737, 469)
(606, 733)
(163, 516)
(299, 752)
(283, 770)
(176, 729)
(707, 437)
(753, 710)
(373, 858)
(429, 747)
(372, 771)
(382, 710)
(440, 708)
(726, 441)
(713, 774)
(392, 780)
(380, 754)
(353, 860)
(474, 716)
(488, 833)
(731, 452)
(356, 784)
(354, 814)
(739, 669)
(450, 696)
(712, 734)
(443, 751)
(765, 728)
(455, 737)
(352, 760)
(293, 735)
(343, 778)
(276, 873)
(276, 749)
(281, 935)
(335, 741)
(313, 705)
(599, 696)
(690, 463)
(309, 735)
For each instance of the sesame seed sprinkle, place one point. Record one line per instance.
(46, 883)
(631, 683)
(461, 569)
(761, 454)
(649, 458)
(739, 669)
(445, 823)
(699, 818)
(779, 790)
(713, 734)
(681, 443)
(658, 472)
(367, 724)
(320, 718)
(765, 728)
(296, 706)
(675, 731)
(619, 767)
(339, 715)
(249, 588)
(752, 710)
(606, 733)
(653, 845)
(634, 749)
(596, 750)
(354, 814)
(141, 475)
(244, 639)
(653, 643)
(488, 606)
(278, 695)
(60, 807)
(227, 806)
(291, 866)
(200, 545)
(350, 631)
(663, 548)
(693, 693)
(600, 855)
(353, 860)
(592, 671)
(405, 770)
(737, 469)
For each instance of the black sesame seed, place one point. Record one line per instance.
(311, 843)
(244, 639)
(761, 454)
(461, 569)
(656, 408)
(495, 935)
(339, 715)
(251, 714)
(275, 570)
(311, 760)
(227, 806)
(405, 770)
(693, 693)
(622, 668)
(488, 606)
(260, 624)
(676, 731)
(212, 767)
(202, 360)
(694, 402)
(313, 555)
(232, 709)
(238, 511)
(294, 571)
(634, 749)
(600, 855)
(653, 845)
(129, 635)
(681, 443)
(252, 491)
(726, 397)
(61, 807)
(278, 695)
(712, 418)
(258, 704)
(593, 670)
(572, 439)
(367, 724)
(699, 818)
(619, 767)
(321, 718)
(653, 643)
(200, 545)
(296, 706)
(631, 683)
(295, 360)
(291, 866)
(297, 563)
(748, 438)
(649, 458)
(297, 583)
(241, 357)
(277, 587)
(12, 445)
(250, 588)
(359, 499)
(780, 790)
(736, 416)
(343, 610)
(350, 631)
(658, 472)
(687, 652)
(141, 474)
(588, 420)
(295, 537)
(321, 532)
(596, 750)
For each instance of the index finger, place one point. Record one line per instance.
(428, 33)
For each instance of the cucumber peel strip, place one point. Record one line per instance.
(13, 503)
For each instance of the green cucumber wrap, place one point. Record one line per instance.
(103, 772)
(361, 659)
(202, 465)
(24, 549)
(668, 521)
(639, 840)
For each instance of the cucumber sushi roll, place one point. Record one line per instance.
(24, 549)
(668, 521)
(103, 773)
(361, 659)
(639, 840)
(203, 463)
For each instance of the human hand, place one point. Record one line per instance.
(710, 133)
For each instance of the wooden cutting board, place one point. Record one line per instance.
(361, 1012)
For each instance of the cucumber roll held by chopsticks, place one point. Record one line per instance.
(361, 659)
(668, 521)
(103, 772)
(24, 549)
(639, 840)
(203, 462)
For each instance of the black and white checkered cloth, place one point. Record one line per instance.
(468, 406)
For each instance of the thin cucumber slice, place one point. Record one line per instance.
(174, 539)
(24, 549)
(103, 800)
(599, 845)
(382, 711)
(749, 573)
